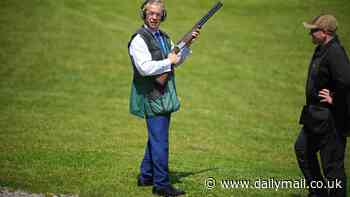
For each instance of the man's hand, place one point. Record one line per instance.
(326, 95)
(174, 59)
(195, 36)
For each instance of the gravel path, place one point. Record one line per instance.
(7, 192)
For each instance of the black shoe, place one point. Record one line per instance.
(168, 191)
(144, 183)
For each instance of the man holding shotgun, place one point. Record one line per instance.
(153, 93)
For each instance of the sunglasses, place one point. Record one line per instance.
(314, 31)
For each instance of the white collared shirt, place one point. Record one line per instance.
(143, 59)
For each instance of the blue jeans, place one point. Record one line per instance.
(155, 162)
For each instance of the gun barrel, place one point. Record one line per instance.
(161, 79)
(187, 37)
(211, 12)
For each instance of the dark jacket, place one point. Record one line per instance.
(330, 69)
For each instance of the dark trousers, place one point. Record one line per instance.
(332, 152)
(155, 162)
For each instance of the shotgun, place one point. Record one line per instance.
(187, 38)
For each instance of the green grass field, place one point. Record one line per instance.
(64, 87)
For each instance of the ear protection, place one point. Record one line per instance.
(143, 10)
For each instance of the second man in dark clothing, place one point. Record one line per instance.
(324, 117)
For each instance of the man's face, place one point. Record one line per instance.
(318, 36)
(154, 14)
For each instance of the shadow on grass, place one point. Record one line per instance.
(175, 177)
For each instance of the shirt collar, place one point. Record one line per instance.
(321, 49)
(153, 32)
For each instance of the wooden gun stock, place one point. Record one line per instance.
(187, 38)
